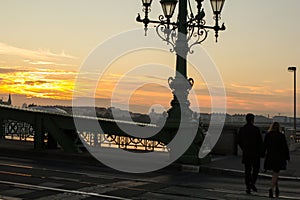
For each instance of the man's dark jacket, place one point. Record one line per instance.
(250, 141)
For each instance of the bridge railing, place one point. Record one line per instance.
(56, 129)
(16, 130)
(21, 124)
(122, 142)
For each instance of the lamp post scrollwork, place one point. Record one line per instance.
(182, 34)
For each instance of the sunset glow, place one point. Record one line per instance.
(41, 55)
(38, 83)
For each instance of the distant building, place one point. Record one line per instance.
(238, 118)
(204, 118)
(117, 113)
(49, 109)
(8, 102)
(101, 112)
(281, 119)
(155, 117)
(232, 119)
(262, 119)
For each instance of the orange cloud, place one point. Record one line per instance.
(38, 83)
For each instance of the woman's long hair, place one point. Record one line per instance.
(274, 127)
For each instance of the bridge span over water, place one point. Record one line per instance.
(52, 130)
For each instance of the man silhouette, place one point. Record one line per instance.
(250, 141)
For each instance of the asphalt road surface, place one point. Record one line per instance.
(43, 178)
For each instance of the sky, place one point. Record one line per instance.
(43, 45)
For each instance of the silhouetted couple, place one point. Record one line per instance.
(274, 148)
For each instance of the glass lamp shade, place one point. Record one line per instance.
(217, 5)
(147, 2)
(168, 7)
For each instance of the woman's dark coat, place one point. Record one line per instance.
(277, 151)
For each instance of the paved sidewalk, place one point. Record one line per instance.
(219, 164)
(233, 165)
(215, 180)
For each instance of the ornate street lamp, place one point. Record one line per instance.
(182, 34)
(168, 7)
(217, 6)
(147, 3)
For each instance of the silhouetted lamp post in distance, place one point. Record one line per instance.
(193, 30)
(294, 69)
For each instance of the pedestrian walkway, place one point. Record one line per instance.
(233, 165)
(219, 164)
(58, 175)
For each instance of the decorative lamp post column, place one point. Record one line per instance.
(182, 34)
(185, 32)
(294, 69)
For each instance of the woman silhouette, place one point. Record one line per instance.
(277, 155)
